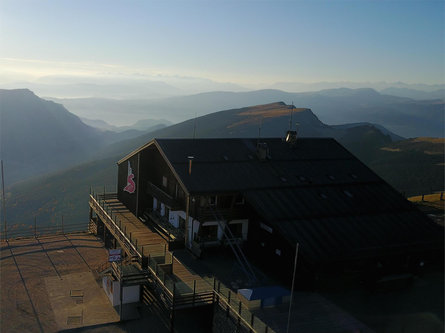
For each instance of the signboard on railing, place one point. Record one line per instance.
(114, 255)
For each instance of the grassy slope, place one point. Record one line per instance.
(412, 166)
(63, 193)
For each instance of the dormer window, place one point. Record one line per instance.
(348, 194)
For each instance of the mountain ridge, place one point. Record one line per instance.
(404, 116)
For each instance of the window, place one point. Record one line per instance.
(181, 223)
(236, 229)
(212, 200)
(239, 200)
(162, 209)
(209, 233)
(164, 181)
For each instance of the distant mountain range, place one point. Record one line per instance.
(404, 116)
(40, 136)
(65, 192)
(414, 93)
(139, 86)
(144, 125)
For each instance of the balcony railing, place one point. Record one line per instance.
(207, 214)
(163, 196)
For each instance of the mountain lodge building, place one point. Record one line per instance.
(264, 201)
(267, 195)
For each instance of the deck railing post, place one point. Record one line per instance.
(172, 313)
(251, 321)
(35, 226)
(228, 304)
(239, 313)
(62, 225)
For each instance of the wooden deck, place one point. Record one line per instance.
(179, 283)
(144, 243)
(139, 234)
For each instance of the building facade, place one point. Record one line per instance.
(268, 195)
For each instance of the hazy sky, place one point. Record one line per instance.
(244, 42)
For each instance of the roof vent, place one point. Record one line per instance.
(291, 137)
(262, 151)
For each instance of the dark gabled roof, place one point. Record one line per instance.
(261, 293)
(231, 164)
(375, 221)
(315, 193)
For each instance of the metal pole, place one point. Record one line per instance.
(62, 225)
(187, 217)
(3, 201)
(35, 226)
(292, 287)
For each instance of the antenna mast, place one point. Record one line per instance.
(291, 113)
(259, 129)
(194, 127)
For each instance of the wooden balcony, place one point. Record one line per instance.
(164, 197)
(214, 213)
